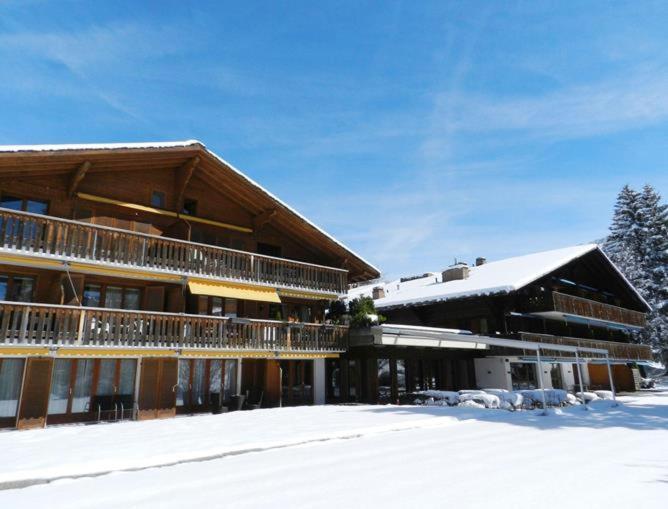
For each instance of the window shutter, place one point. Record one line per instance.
(35, 396)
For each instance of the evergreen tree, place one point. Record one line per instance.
(625, 236)
(654, 221)
(638, 245)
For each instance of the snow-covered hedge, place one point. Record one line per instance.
(553, 397)
(481, 398)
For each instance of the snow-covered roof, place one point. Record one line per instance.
(497, 277)
(175, 144)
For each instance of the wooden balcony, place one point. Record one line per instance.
(65, 240)
(31, 324)
(618, 351)
(578, 306)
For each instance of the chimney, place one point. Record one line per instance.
(455, 272)
(480, 261)
(378, 293)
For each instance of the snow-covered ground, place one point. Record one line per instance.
(350, 456)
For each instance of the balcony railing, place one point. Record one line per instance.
(68, 240)
(579, 306)
(28, 324)
(590, 308)
(619, 351)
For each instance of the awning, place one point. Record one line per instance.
(297, 294)
(233, 291)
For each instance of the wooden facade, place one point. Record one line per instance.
(584, 303)
(139, 281)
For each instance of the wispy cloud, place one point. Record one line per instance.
(612, 105)
(93, 56)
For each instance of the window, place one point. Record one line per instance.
(384, 381)
(217, 306)
(91, 296)
(189, 207)
(158, 199)
(230, 380)
(25, 205)
(401, 377)
(114, 297)
(16, 288)
(11, 372)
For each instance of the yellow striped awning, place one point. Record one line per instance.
(297, 294)
(234, 291)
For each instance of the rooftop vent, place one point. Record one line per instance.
(456, 272)
(378, 292)
(480, 261)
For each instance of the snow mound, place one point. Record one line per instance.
(470, 404)
(587, 396)
(514, 399)
(553, 397)
(604, 394)
(450, 397)
(481, 398)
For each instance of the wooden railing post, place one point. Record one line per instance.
(24, 325)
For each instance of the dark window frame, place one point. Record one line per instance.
(25, 200)
(162, 199)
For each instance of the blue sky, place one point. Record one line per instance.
(415, 132)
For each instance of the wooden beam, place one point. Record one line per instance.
(183, 176)
(263, 218)
(77, 177)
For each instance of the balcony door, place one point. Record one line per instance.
(205, 384)
(71, 391)
(296, 383)
(11, 377)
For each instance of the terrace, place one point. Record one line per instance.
(29, 324)
(51, 238)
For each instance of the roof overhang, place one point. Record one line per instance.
(109, 156)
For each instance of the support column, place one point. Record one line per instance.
(319, 382)
(612, 383)
(540, 380)
(577, 360)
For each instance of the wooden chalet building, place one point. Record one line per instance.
(144, 280)
(573, 296)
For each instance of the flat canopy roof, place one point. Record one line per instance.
(433, 337)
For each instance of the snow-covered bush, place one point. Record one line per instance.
(604, 394)
(482, 398)
(449, 397)
(571, 399)
(553, 397)
(587, 396)
(514, 399)
(470, 404)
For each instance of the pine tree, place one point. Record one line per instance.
(623, 245)
(638, 245)
(654, 222)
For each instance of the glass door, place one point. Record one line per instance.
(11, 376)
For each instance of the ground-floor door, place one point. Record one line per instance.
(84, 390)
(296, 382)
(158, 383)
(205, 384)
(11, 378)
